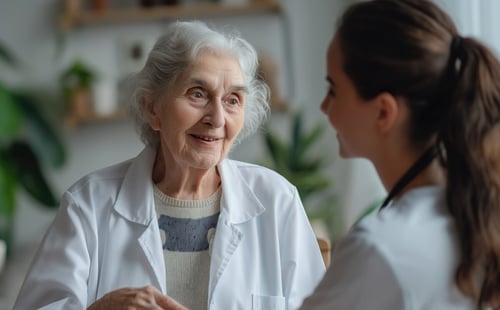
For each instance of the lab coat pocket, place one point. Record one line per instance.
(260, 302)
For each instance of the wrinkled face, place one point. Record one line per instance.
(200, 117)
(348, 113)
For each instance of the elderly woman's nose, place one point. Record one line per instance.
(215, 113)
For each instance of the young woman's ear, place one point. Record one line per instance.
(389, 111)
(153, 119)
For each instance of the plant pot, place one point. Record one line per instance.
(80, 107)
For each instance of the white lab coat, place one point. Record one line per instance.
(401, 258)
(105, 236)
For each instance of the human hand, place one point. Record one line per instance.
(143, 298)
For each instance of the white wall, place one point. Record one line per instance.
(476, 18)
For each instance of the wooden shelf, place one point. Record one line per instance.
(70, 20)
(93, 118)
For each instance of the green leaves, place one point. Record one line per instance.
(7, 190)
(6, 56)
(25, 137)
(278, 150)
(23, 162)
(39, 133)
(293, 160)
(77, 75)
(10, 115)
(27, 140)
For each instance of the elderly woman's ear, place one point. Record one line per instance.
(153, 119)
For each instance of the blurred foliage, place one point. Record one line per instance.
(78, 75)
(27, 141)
(372, 208)
(294, 160)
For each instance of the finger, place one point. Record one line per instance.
(147, 295)
(168, 303)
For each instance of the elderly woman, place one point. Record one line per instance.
(180, 220)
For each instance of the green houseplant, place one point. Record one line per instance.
(27, 140)
(294, 160)
(76, 82)
(76, 76)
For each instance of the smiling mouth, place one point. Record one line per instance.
(208, 139)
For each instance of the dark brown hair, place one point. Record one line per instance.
(411, 48)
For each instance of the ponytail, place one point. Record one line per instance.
(471, 141)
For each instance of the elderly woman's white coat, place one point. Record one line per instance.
(106, 236)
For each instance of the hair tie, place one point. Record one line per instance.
(456, 48)
(456, 42)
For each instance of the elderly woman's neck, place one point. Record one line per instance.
(184, 182)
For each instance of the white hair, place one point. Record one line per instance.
(174, 51)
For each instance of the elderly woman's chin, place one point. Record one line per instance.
(205, 159)
(209, 161)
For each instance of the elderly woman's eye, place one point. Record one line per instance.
(196, 93)
(233, 100)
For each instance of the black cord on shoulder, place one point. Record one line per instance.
(425, 159)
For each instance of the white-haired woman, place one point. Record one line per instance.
(180, 221)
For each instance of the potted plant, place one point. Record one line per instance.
(293, 160)
(27, 140)
(76, 81)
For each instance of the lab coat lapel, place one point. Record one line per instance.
(227, 239)
(150, 243)
(135, 203)
(238, 205)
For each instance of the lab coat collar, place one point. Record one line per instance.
(138, 180)
(238, 199)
